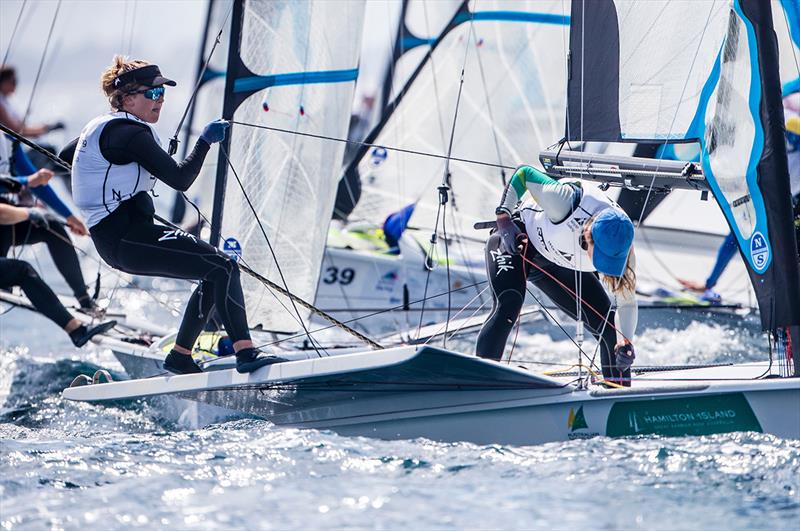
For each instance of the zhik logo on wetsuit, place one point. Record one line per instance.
(502, 261)
(174, 234)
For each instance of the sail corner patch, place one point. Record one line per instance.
(759, 252)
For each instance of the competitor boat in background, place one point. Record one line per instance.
(721, 89)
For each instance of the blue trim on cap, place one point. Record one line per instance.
(256, 83)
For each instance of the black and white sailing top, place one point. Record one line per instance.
(98, 185)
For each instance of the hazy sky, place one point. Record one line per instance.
(87, 34)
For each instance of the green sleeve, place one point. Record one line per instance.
(525, 178)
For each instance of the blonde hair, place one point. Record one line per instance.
(622, 285)
(119, 65)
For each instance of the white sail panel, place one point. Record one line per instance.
(425, 20)
(731, 130)
(512, 105)
(309, 51)
(661, 76)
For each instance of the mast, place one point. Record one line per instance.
(179, 206)
(397, 51)
(228, 108)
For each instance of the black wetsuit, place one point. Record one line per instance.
(20, 273)
(508, 275)
(59, 245)
(129, 240)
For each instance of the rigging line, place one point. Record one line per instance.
(124, 26)
(444, 188)
(794, 48)
(272, 286)
(429, 268)
(433, 75)
(366, 316)
(269, 245)
(129, 284)
(571, 292)
(371, 144)
(173, 142)
(447, 268)
(133, 26)
(552, 317)
(479, 308)
(41, 64)
(674, 116)
(13, 33)
(491, 114)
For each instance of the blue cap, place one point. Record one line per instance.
(612, 234)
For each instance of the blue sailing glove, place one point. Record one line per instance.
(215, 131)
(508, 232)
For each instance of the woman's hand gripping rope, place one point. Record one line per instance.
(511, 237)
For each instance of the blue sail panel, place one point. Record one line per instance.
(256, 83)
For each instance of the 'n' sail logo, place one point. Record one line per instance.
(759, 252)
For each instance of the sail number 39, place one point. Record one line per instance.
(334, 275)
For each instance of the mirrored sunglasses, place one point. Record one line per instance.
(151, 93)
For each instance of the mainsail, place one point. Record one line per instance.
(513, 55)
(292, 65)
(698, 71)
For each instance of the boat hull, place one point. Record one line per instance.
(443, 396)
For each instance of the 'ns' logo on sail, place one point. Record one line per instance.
(759, 252)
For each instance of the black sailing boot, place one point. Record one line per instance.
(247, 360)
(81, 335)
(178, 363)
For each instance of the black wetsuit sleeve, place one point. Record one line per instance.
(68, 152)
(123, 142)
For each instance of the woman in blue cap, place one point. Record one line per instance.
(568, 241)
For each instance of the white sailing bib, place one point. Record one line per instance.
(98, 186)
(560, 242)
(5, 155)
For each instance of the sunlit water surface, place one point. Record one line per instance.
(70, 465)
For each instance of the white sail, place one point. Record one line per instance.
(304, 57)
(512, 105)
(424, 21)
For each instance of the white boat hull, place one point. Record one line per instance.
(411, 392)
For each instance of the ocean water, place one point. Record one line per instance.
(69, 465)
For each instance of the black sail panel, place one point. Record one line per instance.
(593, 84)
